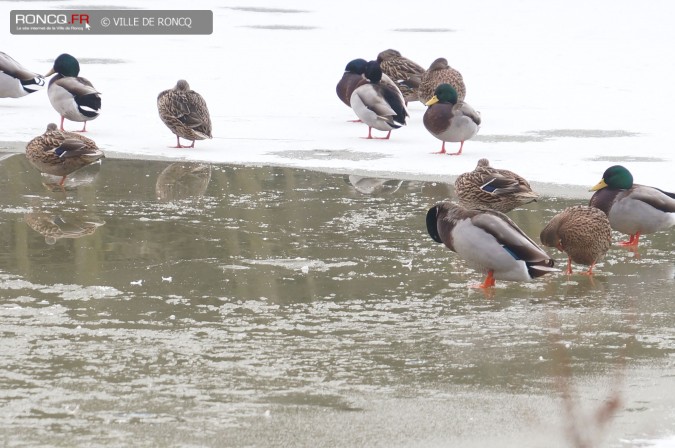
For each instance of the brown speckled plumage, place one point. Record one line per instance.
(440, 72)
(405, 73)
(509, 190)
(60, 153)
(185, 113)
(582, 232)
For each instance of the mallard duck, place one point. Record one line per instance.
(351, 78)
(379, 103)
(185, 113)
(581, 231)
(448, 120)
(15, 80)
(488, 240)
(60, 153)
(496, 189)
(632, 209)
(405, 73)
(73, 97)
(439, 72)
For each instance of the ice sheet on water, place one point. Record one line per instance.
(65, 292)
(301, 264)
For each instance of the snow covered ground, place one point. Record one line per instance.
(565, 90)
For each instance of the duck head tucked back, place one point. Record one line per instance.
(378, 102)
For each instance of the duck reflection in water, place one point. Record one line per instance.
(372, 185)
(54, 226)
(183, 180)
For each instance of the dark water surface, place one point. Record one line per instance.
(158, 304)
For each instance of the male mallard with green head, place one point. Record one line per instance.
(405, 73)
(73, 96)
(439, 72)
(60, 153)
(632, 209)
(379, 103)
(490, 241)
(185, 113)
(15, 80)
(448, 120)
(496, 189)
(581, 231)
(350, 80)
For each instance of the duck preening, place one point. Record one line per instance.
(490, 241)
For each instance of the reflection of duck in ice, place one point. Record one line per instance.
(372, 185)
(183, 180)
(62, 225)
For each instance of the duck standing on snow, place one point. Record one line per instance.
(378, 103)
(15, 80)
(489, 241)
(439, 72)
(632, 209)
(492, 188)
(73, 97)
(60, 153)
(350, 80)
(185, 113)
(581, 231)
(405, 73)
(448, 120)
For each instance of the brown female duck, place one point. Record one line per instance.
(185, 113)
(60, 153)
(493, 188)
(582, 232)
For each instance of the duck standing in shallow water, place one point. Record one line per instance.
(185, 113)
(73, 97)
(15, 80)
(448, 120)
(378, 103)
(632, 209)
(60, 153)
(493, 188)
(489, 241)
(581, 231)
